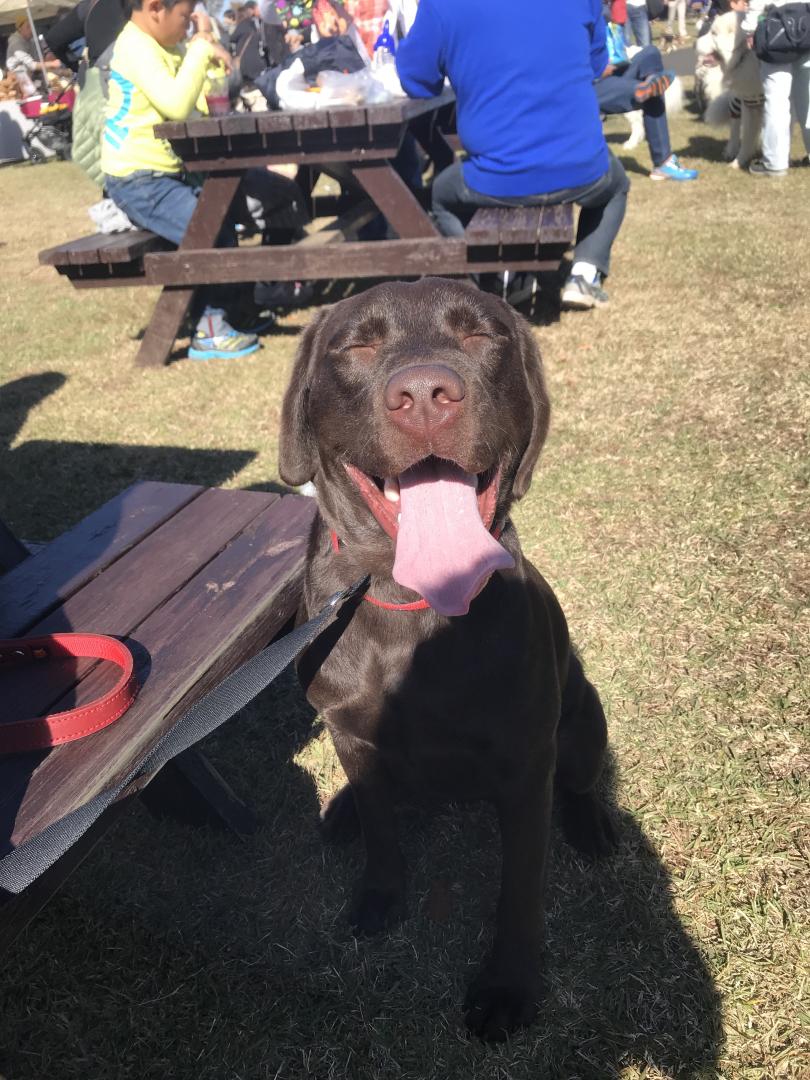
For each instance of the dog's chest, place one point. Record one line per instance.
(457, 713)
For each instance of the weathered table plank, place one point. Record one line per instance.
(381, 258)
(55, 573)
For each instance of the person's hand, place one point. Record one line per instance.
(749, 40)
(222, 55)
(201, 22)
(608, 71)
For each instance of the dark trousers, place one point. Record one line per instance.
(602, 204)
(615, 94)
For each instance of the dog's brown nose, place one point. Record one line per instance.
(424, 396)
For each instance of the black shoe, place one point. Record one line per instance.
(759, 168)
(283, 295)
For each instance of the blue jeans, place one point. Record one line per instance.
(164, 203)
(602, 203)
(160, 202)
(638, 21)
(615, 95)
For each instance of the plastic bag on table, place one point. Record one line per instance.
(356, 88)
(293, 90)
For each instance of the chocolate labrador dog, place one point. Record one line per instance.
(419, 411)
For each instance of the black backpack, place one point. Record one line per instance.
(784, 34)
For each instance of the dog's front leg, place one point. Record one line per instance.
(505, 993)
(379, 897)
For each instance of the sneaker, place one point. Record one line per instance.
(671, 169)
(283, 294)
(229, 345)
(759, 168)
(580, 294)
(653, 86)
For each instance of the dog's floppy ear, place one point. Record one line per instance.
(541, 409)
(297, 459)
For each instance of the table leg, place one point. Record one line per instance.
(430, 130)
(395, 200)
(189, 789)
(203, 229)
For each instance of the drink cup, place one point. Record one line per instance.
(216, 96)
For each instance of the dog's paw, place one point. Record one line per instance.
(375, 910)
(587, 825)
(339, 821)
(495, 1007)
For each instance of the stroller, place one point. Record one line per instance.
(50, 132)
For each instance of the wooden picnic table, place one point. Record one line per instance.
(360, 144)
(195, 580)
(364, 140)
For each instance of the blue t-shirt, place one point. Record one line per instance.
(523, 77)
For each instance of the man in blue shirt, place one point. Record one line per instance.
(528, 118)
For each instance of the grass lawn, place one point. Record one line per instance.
(670, 512)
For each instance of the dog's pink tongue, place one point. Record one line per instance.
(443, 551)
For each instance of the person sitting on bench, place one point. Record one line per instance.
(153, 79)
(527, 116)
(640, 82)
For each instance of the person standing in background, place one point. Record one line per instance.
(22, 58)
(677, 7)
(639, 22)
(784, 85)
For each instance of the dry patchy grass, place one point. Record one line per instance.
(669, 511)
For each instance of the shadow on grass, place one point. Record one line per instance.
(44, 481)
(182, 952)
(707, 147)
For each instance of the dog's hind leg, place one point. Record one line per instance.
(636, 136)
(732, 149)
(750, 128)
(581, 744)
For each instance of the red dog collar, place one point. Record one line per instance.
(43, 732)
(415, 605)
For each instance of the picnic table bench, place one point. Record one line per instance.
(356, 144)
(195, 580)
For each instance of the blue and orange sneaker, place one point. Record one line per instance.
(671, 169)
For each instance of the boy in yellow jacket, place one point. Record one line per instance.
(154, 78)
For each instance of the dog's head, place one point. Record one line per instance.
(419, 410)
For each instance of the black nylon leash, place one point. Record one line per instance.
(25, 864)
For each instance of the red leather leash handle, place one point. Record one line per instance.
(55, 728)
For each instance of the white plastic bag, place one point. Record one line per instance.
(356, 88)
(293, 90)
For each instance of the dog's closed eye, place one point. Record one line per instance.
(362, 352)
(473, 343)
